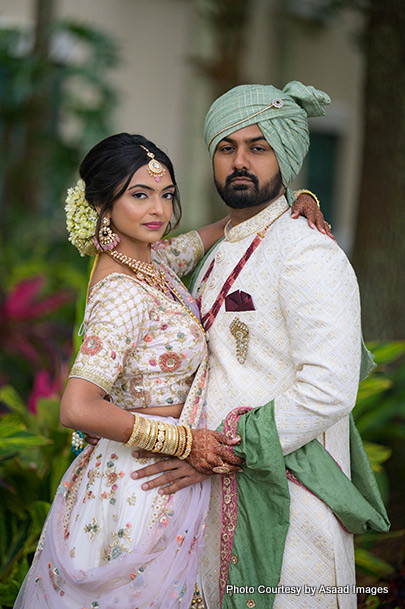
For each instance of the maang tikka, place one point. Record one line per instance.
(107, 240)
(154, 168)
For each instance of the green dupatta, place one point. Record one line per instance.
(259, 498)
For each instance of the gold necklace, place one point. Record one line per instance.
(153, 276)
(144, 271)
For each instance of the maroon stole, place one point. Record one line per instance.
(208, 319)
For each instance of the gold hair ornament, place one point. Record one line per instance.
(154, 168)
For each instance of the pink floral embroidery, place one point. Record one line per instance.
(113, 355)
(154, 315)
(56, 579)
(91, 345)
(111, 477)
(148, 338)
(169, 362)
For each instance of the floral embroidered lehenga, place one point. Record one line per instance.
(106, 542)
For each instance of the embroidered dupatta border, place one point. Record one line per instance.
(229, 504)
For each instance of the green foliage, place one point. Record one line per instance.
(380, 417)
(372, 565)
(51, 110)
(34, 454)
(380, 407)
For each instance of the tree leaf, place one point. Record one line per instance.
(377, 454)
(385, 353)
(12, 400)
(372, 386)
(371, 564)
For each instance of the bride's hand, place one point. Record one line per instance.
(306, 206)
(211, 452)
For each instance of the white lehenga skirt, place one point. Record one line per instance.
(109, 544)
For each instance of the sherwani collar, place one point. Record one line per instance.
(257, 222)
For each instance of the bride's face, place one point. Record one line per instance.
(140, 216)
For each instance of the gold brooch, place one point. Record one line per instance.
(241, 333)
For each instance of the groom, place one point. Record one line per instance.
(280, 305)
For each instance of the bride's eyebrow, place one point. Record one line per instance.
(149, 187)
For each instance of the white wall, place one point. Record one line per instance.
(161, 95)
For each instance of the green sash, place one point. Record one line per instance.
(257, 531)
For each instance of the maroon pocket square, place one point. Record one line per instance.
(239, 301)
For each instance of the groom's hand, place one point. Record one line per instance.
(175, 474)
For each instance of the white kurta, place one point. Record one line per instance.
(303, 352)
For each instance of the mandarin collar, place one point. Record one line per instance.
(257, 222)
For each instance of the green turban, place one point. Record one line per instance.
(282, 117)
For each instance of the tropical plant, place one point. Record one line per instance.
(34, 453)
(54, 103)
(34, 333)
(380, 418)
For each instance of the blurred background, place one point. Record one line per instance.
(74, 72)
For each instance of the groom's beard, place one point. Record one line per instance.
(240, 196)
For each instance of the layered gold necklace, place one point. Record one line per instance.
(144, 271)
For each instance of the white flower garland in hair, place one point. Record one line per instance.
(81, 220)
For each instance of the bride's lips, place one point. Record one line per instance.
(153, 225)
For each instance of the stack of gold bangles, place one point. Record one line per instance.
(160, 437)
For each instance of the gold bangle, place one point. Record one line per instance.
(172, 439)
(304, 191)
(177, 442)
(144, 433)
(189, 443)
(134, 432)
(141, 432)
(166, 443)
(160, 437)
(181, 445)
(152, 437)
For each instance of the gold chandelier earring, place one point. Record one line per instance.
(107, 239)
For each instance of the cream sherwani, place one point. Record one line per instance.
(303, 352)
